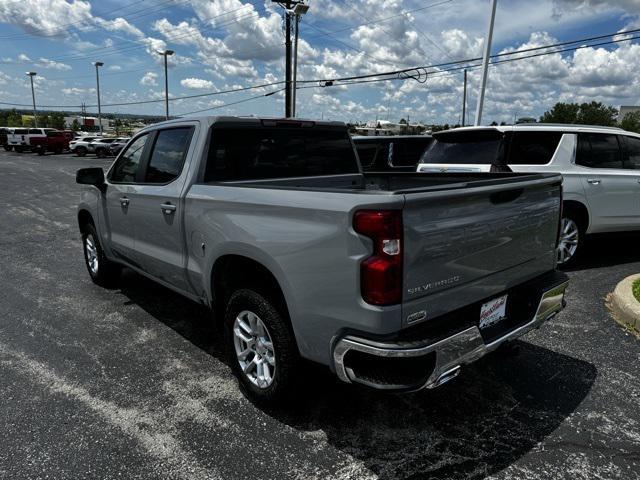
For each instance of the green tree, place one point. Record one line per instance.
(561, 113)
(596, 113)
(75, 126)
(593, 113)
(631, 122)
(57, 120)
(402, 121)
(14, 119)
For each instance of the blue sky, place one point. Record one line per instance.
(228, 44)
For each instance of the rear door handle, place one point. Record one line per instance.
(124, 201)
(594, 182)
(168, 208)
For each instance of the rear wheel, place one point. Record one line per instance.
(101, 152)
(8, 148)
(264, 355)
(40, 151)
(19, 149)
(571, 239)
(103, 272)
(58, 151)
(81, 151)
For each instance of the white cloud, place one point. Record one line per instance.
(196, 83)
(149, 79)
(114, 68)
(78, 91)
(52, 64)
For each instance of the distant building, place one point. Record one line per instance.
(624, 109)
(385, 128)
(89, 124)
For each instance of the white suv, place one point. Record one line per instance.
(82, 145)
(600, 167)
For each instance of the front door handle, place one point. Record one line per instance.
(594, 182)
(168, 208)
(124, 201)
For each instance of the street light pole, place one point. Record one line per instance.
(485, 63)
(165, 54)
(464, 99)
(33, 96)
(97, 65)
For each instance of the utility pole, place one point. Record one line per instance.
(165, 54)
(33, 96)
(298, 10)
(485, 63)
(97, 65)
(464, 99)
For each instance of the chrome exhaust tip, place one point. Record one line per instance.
(446, 376)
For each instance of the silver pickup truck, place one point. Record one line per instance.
(392, 280)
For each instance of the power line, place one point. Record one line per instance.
(374, 77)
(248, 99)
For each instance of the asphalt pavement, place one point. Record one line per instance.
(132, 382)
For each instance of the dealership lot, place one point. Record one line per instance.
(133, 382)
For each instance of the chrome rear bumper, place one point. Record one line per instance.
(450, 353)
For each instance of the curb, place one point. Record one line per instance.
(624, 306)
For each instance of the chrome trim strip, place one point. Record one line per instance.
(459, 349)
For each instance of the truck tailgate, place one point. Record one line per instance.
(462, 246)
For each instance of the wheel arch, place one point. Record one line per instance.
(233, 271)
(85, 218)
(579, 211)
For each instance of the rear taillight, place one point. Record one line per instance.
(381, 273)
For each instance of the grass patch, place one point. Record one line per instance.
(636, 289)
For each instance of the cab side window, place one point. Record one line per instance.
(631, 153)
(169, 152)
(598, 150)
(126, 168)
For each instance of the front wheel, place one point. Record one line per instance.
(40, 151)
(103, 272)
(264, 355)
(101, 153)
(571, 240)
(8, 148)
(81, 151)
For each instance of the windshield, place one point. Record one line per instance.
(475, 148)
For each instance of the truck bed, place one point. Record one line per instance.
(396, 183)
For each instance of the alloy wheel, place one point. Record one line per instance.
(569, 238)
(92, 254)
(254, 349)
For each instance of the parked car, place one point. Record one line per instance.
(100, 146)
(391, 153)
(55, 141)
(394, 281)
(18, 140)
(116, 146)
(4, 141)
(600, 167)
(82, 145)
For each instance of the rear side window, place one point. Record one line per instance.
(126, 167)
(34, 131)
(533, 148)
(631, 153)
(20, 131)
(278, 152)
(598, 150)
(367, 153)
(168, 155)
(477, 148)
(407, 152)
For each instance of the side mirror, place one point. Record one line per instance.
(90, 176)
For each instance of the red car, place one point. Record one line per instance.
(56, 141)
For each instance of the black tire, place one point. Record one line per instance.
(574, 225)
(8, 148)
(19, 149)
(57, 151)
(81, 151)
(287, 359)
(106, 272)
(40, 151)
(101, 152)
